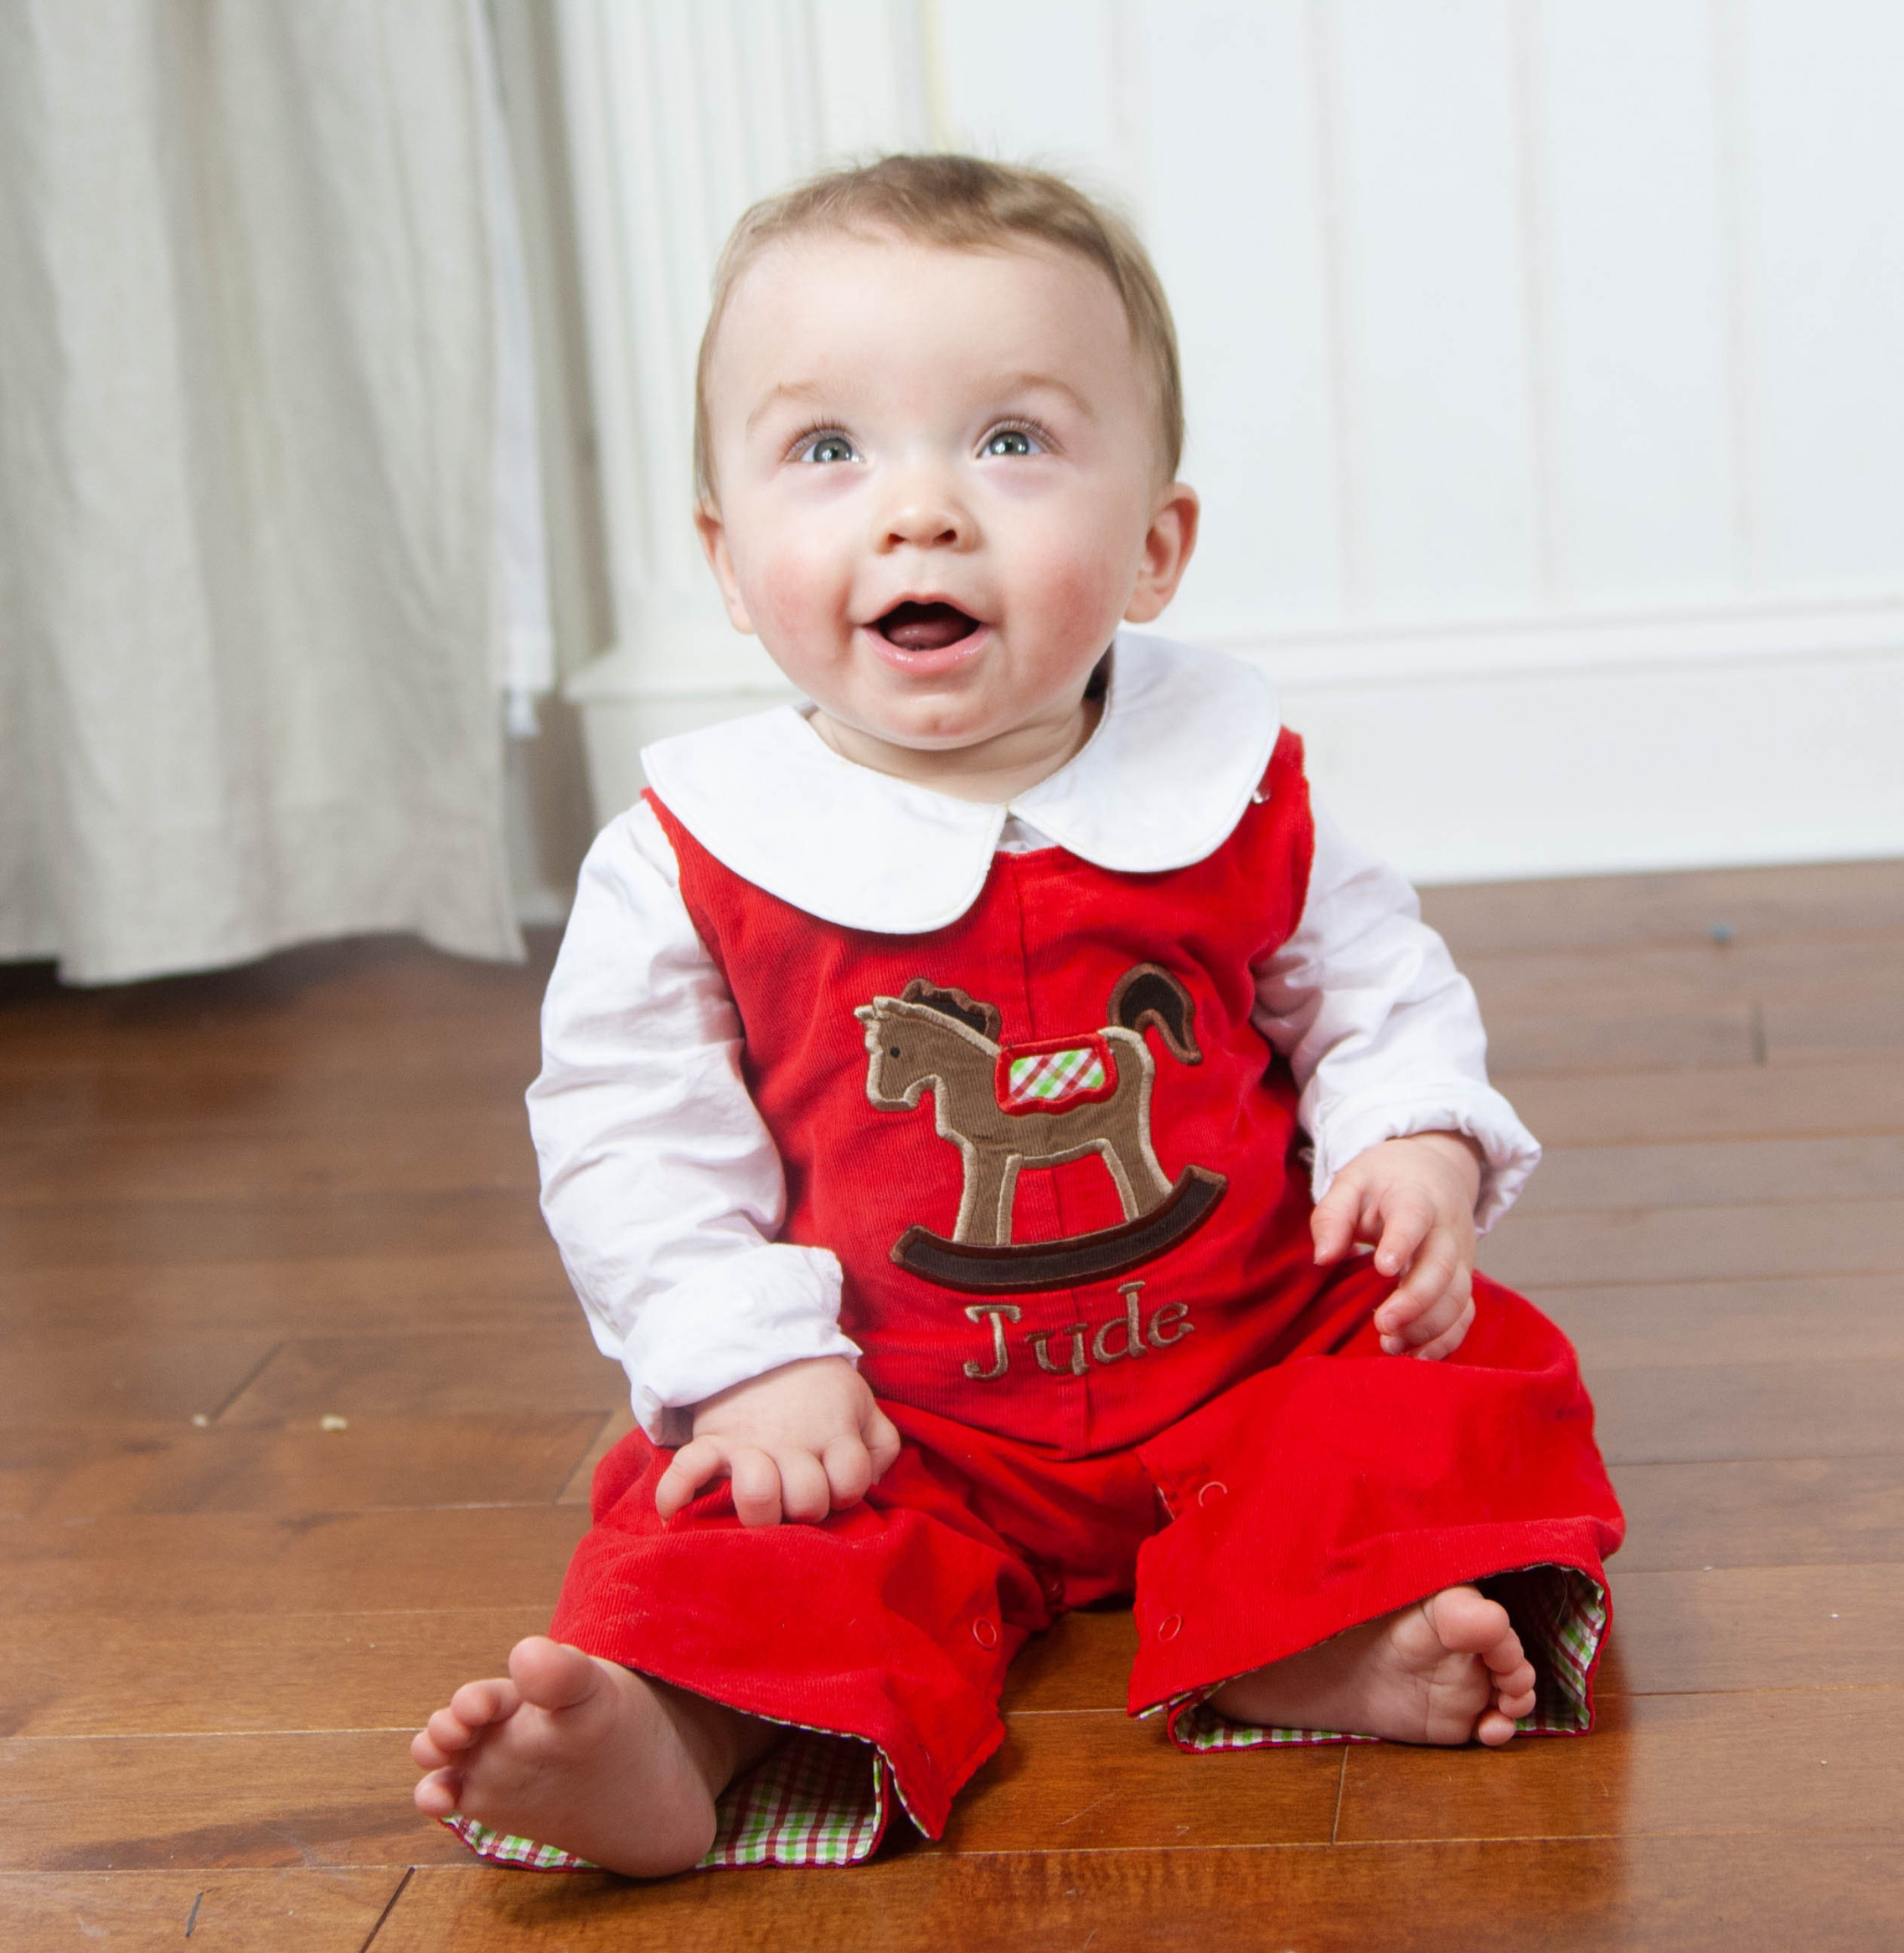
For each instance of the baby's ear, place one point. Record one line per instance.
(1168, 546)
(712, 534)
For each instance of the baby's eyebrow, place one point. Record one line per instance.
(1002, 385)
(1048, 382)
(808, 391)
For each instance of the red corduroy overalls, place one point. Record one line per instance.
(1060, 1169)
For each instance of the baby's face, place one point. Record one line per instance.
(938, 486)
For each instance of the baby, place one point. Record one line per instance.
(1101, 1322)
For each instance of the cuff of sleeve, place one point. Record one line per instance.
(777, 1305)
(1350, 1127)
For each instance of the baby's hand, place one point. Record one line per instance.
(1414, 1198)
(799, 1442)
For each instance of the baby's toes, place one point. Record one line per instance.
(451, 1734)
(435, 1795)
(426, 1753)
(478, 1703)
(1513, 1678)
(1505, 1656)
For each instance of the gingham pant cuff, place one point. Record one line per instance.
(1562, 1615)
(818, 1799)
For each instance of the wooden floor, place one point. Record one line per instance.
(297, 1417)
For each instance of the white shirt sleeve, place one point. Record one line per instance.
(660, 1181)
(1380, 1029)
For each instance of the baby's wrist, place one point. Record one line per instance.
(1463, 1155)
(1465, 1141)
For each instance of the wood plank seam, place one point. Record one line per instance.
(250, 1377)
(389, 1906)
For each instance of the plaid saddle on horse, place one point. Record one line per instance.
(1056, 1073)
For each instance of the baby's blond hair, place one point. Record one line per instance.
(959, 203)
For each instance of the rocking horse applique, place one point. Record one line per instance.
(1007, 1107)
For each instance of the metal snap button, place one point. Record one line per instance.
(1216, 1489)
(1169, 1627)
(985, 1634)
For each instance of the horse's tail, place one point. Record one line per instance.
(1150, 994)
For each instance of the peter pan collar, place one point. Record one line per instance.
(1181, 746)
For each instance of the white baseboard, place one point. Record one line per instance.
(1552, 774)
(1554, 749)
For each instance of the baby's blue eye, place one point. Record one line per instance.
(829, 447)
(1010, 440)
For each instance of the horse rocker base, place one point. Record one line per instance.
(1023, 1268)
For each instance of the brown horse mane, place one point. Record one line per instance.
(984, 1018)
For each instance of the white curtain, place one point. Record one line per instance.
(268, 549)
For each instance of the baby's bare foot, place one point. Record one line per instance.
(573, 1751)
(1449, 1669)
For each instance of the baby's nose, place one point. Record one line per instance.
(924, 513)
(923, 529)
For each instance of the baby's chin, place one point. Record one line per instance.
(941, 742)
(936, 736)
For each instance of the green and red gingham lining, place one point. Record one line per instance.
(812, 1801)
(815, 1802)
(500, 1848)
(1566, 1617)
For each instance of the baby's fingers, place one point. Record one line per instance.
(858, 1461)
(1428, 1301)
(1435, 1274)
(1332, 1224)
(848, 1471)
(1450, 1339)
(1404, 1227)
(754, 1475)
(755, 1481)
(881, 1438)
(806, 1491)
(693, 1466)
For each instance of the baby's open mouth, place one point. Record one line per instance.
(925, 626)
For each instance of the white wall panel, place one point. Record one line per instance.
(869, 76)
(1444, 488)
(1638, 352)
(770, 128)
(1036, 80)
(1823, 111)
(1237, 232)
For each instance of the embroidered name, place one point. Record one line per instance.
(1069, 1352)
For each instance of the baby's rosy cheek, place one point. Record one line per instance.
(1076, 589)
(786, 593)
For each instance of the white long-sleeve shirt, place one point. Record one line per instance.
(661, 1183)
